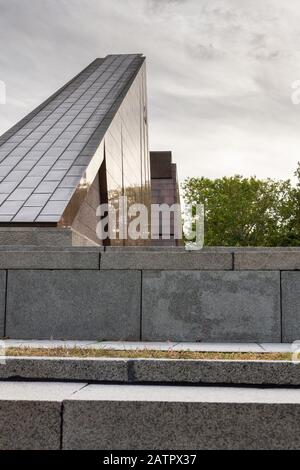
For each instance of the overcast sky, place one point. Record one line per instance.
(220, 72)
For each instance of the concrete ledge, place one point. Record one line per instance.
(166, 260)
(61, 249)
(35, 236)
(49, 259)
(205, 249)
(134, 371)
(211, 306)
(267, 260)
(216, 372)
(68, 369)
(73, 304)
(173, 417)
(42, 236)
(30, 414)
(144, 248)
(52, 416)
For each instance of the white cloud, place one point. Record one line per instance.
(219, 72)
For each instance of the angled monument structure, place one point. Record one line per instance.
(87, 144)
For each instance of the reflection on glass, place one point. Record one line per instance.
(127, 162)
(127, 153)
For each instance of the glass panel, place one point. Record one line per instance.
(127, 153)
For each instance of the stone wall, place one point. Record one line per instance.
(236, 295)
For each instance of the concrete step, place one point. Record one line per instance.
(31, 414)
(164, 417)
(152, 371)
(79, 416)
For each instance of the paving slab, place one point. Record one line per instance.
(134, 345)
(277, 347)
(47, 344)
(219, 347)
(165, 393)
(148, 345)
(173, 417)
(42, 391)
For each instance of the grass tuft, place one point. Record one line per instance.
(145, 354)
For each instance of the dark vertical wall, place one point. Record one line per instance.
(164, 188)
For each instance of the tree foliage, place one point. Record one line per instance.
(247, 211)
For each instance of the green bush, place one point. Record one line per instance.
(247, 211)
